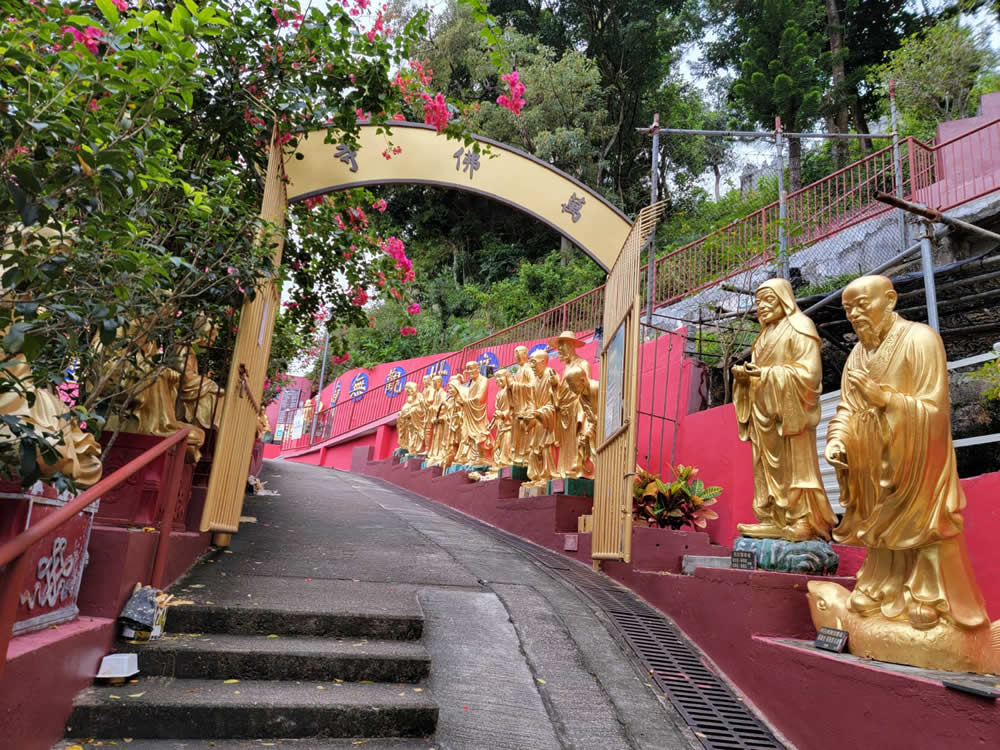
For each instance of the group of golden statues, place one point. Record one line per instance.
(540, 420)
(916, 600)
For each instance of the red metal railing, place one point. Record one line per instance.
(580, 315)
(13, 553)
(943, 175)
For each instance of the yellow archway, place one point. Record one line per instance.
(426, 158)
(506, 175)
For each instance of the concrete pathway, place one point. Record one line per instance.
(519, 660)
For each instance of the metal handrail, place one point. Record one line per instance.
(13, 553)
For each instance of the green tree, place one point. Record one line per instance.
(130, 158)
(781, 73)
(939, 75)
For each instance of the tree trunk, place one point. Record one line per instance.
(861, 124)
(794, 164)
(834, 16)
(565, 251)
(718, 179)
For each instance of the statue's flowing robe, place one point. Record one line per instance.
(521, 389)
(540, 437)
(778, 413)
(901, 491)
(471, 403)
(502, 420)
(568, 419)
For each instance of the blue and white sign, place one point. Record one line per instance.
(488, 363)
(394, 381)
(440, 368)
(542, 348)
(359, 386)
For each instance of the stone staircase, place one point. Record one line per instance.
(231, 672)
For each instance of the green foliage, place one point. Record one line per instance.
(989, 373)
(675, 504)
(939, 74)
(827, 285)
(131, 169)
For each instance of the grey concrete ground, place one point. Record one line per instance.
(519, 660)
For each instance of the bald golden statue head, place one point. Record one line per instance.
(472, 370)
(869, 303)
(539, 361)
(521, 355)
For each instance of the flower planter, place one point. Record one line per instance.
(137, 502)
(56, 562)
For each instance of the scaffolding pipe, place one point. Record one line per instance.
(319, 393)
(936, 216)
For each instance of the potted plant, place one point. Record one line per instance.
(681, 502)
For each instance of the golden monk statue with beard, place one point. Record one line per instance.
(777, 409)
(916, 600)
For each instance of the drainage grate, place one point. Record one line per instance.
(720, 720)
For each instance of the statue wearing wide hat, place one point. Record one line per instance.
(569, 416)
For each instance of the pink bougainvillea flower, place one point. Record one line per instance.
(360, 298)
(407, 331)
(93, 106)
(314, 201)
(436, 111)
(380, 205)
(121, 4)
(399, 117)
(339, 360)
(515, 101)
(89, 37)
(414, 309)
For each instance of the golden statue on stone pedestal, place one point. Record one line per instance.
(916, 600)
(409, 422)
(588, 391)
(471, 404)
(777, 409)
(453, 425)
(437, 423)
(537, 417)
(521, 386)
(503, 420)
(567, 403)
(432, 397)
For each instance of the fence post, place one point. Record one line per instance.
(319, 393)
(897, 163)
(779, 147)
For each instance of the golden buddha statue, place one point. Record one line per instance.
(471, 404)
(437, 423)
(502, 420)
(777, 409)
(588, 391)
(153, 409)
(405, 418)
(520, 401)
(307, 415)
(568, 417)
(201, 396)
(78, 453)
(453, 427)
(538, 419)
(916, 600)
(431, 397)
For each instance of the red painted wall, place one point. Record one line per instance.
(708, 439)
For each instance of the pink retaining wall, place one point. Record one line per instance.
(708, 439)
(743, 621)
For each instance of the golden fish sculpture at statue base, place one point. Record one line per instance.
(945, 646)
